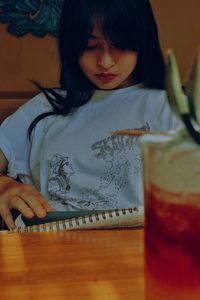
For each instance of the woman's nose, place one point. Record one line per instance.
(106, 60)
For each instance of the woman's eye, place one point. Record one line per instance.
(91, 47)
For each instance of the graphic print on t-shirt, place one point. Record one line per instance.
(61, 171)
(119, 157)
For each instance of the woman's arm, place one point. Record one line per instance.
(23, 197)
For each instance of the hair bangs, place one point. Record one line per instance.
(119, 35)
(123, 35)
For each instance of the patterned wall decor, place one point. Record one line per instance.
(39, 17)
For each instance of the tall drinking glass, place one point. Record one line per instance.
(172, 217)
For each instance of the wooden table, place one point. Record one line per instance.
(84, 265)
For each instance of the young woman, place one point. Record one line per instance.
(60, 144)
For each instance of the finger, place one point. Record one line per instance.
(17, 203)
(33, 200)
(46, 205)
(8, 218)
(34, 195)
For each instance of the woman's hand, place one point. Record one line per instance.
(23, 197)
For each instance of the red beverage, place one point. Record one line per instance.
(172, 244)
(172, 217)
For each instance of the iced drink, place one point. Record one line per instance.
(172, 217)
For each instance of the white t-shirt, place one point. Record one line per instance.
(74, 160)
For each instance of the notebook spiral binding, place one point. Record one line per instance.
(130, 217)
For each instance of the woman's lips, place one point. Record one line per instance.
(105, 77)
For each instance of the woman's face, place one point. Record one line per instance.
(105, 66)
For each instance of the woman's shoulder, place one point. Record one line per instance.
(34, 107)
(144, 96)
(151, 92)
(37, 103)
(154, 103)
(40, 104)
(152, 96)
(27, 112)
(146, 93)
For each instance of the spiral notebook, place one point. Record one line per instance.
(116, 218)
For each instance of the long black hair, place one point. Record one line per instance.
(127, 24)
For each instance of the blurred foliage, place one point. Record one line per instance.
(40, 17)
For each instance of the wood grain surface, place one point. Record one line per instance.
(88, 265)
